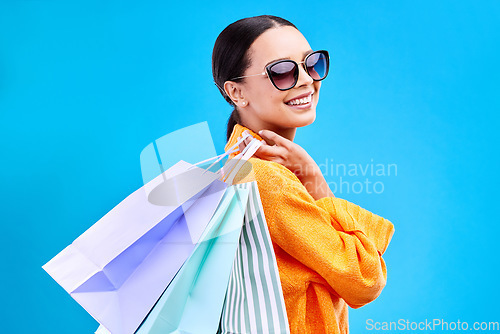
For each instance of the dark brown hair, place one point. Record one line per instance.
(230, 57)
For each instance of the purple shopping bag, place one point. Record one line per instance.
(116, 269)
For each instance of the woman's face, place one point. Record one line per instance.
(264, 106)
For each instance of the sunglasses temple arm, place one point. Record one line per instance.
(246, 76)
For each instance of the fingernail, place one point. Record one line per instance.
(260, 132)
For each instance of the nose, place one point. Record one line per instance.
(304, 78)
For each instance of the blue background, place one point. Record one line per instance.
(86, 85)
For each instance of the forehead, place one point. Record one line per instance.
(276, 43)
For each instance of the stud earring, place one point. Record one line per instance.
(244, 103)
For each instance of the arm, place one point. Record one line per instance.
(339, 240)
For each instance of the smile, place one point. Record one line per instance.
(303, 101)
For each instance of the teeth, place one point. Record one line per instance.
(304, 100)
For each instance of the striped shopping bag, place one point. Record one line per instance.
(254, 299)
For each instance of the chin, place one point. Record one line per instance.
(309, 121)
(303, 119)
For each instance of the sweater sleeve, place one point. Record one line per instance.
(339, 240)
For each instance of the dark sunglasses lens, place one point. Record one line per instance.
(317, 65)
(284, 74)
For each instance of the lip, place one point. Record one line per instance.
(300, 96)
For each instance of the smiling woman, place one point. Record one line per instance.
(328, 250)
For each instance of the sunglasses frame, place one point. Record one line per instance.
(296, 73)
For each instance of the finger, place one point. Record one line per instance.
(268, 152)
(247, 134)
(241, 145)
(272, 158)
(244, 143)
(273, 138)
(247, 141)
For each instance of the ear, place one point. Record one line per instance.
(235, 92)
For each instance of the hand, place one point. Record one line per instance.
(293, 157)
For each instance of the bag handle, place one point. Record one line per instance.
(232, 149)
(248, 151)
(244, 156)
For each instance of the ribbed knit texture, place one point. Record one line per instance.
(329, 251)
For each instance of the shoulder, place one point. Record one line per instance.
(276, 183)
(273, 173)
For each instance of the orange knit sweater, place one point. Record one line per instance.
(329, 251)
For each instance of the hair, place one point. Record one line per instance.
(230, 54)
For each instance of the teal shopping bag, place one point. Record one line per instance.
(193, 302)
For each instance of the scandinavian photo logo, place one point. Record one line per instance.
(356, 178)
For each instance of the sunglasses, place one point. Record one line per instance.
(284, 74)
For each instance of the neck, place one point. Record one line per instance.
(288, 133)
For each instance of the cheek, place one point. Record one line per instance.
(280, 97)
(266, 98)
(317, 86)
(270, 98)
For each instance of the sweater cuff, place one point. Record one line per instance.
(350, 218)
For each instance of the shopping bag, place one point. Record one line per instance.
(198, 290)
(116, 269)
(254, 300)
(192, 303)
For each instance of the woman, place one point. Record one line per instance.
(328, 250)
